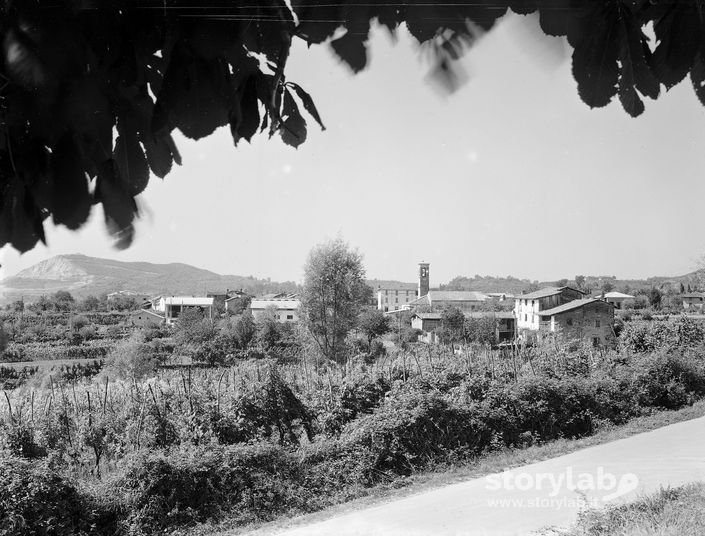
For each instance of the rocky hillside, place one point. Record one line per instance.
(82, 275)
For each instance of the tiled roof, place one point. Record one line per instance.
(278, 303)
(189, 300)
(575, 304)
(456, 295)
(429, 316)
(617, 295)
(544, 293)
(490, 314)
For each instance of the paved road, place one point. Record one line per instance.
(535, 496)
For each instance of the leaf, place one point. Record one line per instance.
(193, 96)
(697, 77)
(351, 49)
(595, 59)
(679, 34)
(308, 103)
(70, 199)
(119, 206)
(131, 161)
(244, 119)
(293, 129)
(635, 71)
(158, 154)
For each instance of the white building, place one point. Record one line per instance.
(172, 306)
(284, 307)
(618, 299)
(528, 306)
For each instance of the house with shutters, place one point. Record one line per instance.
(528, 306)
(588, 319)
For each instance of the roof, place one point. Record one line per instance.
(277, 303)
(149, 312)
(617, 295)
(575, 304)
(395, 286)
(491, 314)
(693, 295)
(456, 295)
(189, 300)
(428, 316)
(545, 293)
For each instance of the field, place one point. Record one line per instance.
(172, 449)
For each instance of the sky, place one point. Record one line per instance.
(510, 175)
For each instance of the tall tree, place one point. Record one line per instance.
(77, 71)
(333, 294)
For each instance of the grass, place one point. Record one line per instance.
(669, 512)
(483, 465)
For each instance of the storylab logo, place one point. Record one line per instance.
(565, 489)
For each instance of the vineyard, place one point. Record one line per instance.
(270, 437)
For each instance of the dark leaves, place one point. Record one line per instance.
(131, 162)
(352, 50)
(244, 117)
(595, 58)
(635, 73)
(70, 199)
(680, 34)
(193, 96)
(293, 129)
(697, 77)
(119, 206)
(307, 101)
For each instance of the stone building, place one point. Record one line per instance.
(528, 306)
(584, 319)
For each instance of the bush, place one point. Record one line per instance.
(35, 501)
(190, 485)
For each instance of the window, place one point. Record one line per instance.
(569, 322)
(597, 323)
(596, 341)
(524, 317)
(289, 317)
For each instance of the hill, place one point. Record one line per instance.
(82, 276)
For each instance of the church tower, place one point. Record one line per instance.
(423, 279)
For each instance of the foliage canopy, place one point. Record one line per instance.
(92, 90)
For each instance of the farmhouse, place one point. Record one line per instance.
(395, 297)
(172, 306)
(618, 299)
(528, 306)
(146, 318)
(505, 323)
(284, 307)
(693, 301)
(585, 319)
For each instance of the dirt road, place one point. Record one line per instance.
(526, 499)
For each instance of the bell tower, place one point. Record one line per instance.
(424, 278)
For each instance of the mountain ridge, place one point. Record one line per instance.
(83, 275)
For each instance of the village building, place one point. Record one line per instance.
(588, 319)
(618, 299)
(505, 324)
(173, 306)
(401, 296)
(145, 318)
(528, 306)
(693, 301)
(284, 307)
(438, 300)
